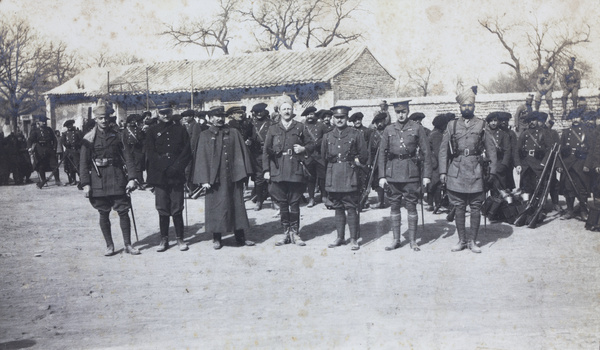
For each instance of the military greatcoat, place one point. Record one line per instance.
(43, 142)
(576, 145)
(464, 171)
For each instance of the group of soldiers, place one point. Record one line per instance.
(286, 155)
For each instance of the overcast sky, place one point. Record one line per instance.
(401, 34)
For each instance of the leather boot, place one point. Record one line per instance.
(584, 211)
(285, 222)
(396, 224)
(354, 227)
(217, 241)
(295, 228)
(474, 230)
(381, 198)
(459, 218)
(42, 179)
(241, 240)
(413, 220)
(125, 224)
(340, 226)
(163, 221)
(179, 231)
(105, 228)
(570, 213)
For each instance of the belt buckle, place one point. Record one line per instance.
(531, 153)
(466, 152)
(289, 152)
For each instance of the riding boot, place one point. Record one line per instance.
(311, 193)
(474, 230)
(241, 240)
(396, 224)
(285, 222)
(105, 228)
(42, 179)
(217, 241)
(354, 228)
(413, 221)
(179, 231)
(163, 221)
(459, 218)
(125, 224)
(340, 226)
(56, 177)
(295, 228)
(380, 199)
(583, 211)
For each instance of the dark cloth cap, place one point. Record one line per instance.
(589, 116)
(417, 116)
(440, 121)
(188, 113)
(133, 118)
(492, 116)
(146, 114)
(217, 108)
(541, 116)
(401, 105)
(379, 116)
(450, 116)
(342, 110)
(235, 110)
(219, 112)
(309, 110)
(177, 117)
(503, 116)
(574, 113)
(165, 111)
(68, 123)
(356, 116)
(201, 114)
(259, 107)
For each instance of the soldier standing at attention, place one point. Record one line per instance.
(222, 166)
(168, 152)
(261, 125)
(435, 141)
(503, 119)
(362, 172)
(283, 155)
(71, 140)
(533, 147)
(374, 142)
(522, 111)
(461, 167)
(314, 160)
(344, 149)
(502, 147)
(104, 181)
(134, 137)
(576, 144)
(42, 145)
(571, 82)
(399, 168)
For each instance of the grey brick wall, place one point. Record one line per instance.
(364, 79)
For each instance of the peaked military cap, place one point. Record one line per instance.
(235, 110)
(340, 110)
(188, 113)
(68, 123)
(401, 105)
(379, 116)
(166, 111)
(259, 107)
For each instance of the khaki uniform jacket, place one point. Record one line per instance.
(464, 172)
(283, 164)
(339, 149)
(397, 160)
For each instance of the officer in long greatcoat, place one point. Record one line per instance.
(102, 175)
(461, 162)
(168, 152)
(576, 144)
(399, 167)
(222, 166)
(42, 145)
(533, 146)
(344, 149)
(283, 158)
(71, 140)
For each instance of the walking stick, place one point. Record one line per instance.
(133, 217)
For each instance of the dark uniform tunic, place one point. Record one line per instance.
(134, 137)
(576, 144)
(374, 143)
(223, 161)
(71, 140)
(168, 152)
(501, 142)
(259, 135)
(18, 157)
(43, 142)
(340, 148)
(533, 147)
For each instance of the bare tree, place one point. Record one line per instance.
(63, 64)
(211, 35)
(104, 59)
(342, 11)
(420, 78)
(544, 42)
(24, 63)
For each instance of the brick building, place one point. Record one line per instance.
(314, 77)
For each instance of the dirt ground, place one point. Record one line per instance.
(529, 289)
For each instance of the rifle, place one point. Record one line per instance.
(42, 184)
(365, 195)
(484, 174)
(542, 199)
(522, 217)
